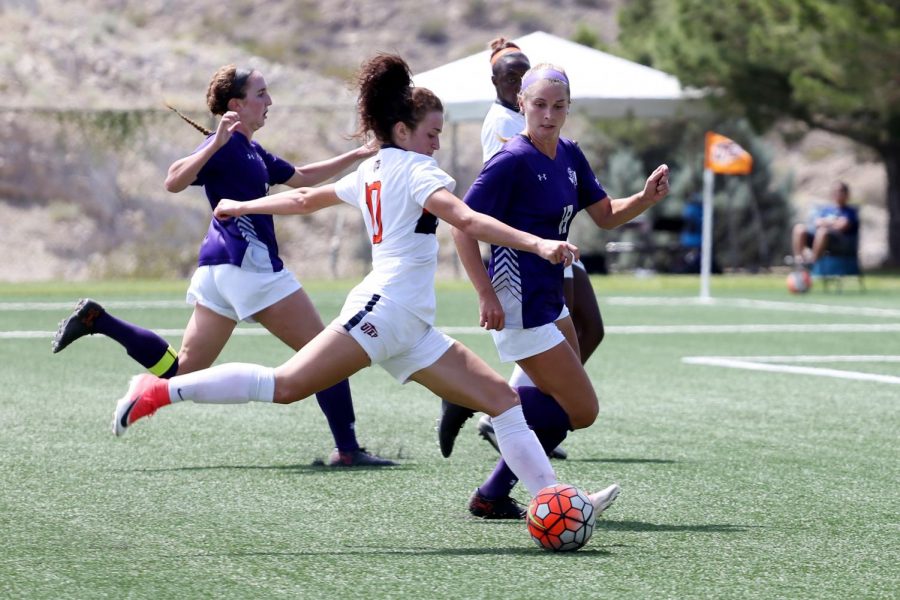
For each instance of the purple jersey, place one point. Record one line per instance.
(241, 170)
(527, 190)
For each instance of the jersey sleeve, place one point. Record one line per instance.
(347, 188)
(279, 169)
(209, 170)
(426, 178)
(589, 189)
(492, 190)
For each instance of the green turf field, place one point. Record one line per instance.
(770, 470)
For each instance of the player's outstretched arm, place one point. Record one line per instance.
(454, 211)
(183, 172)
(301, 201)
(317, 172)
(611, 212)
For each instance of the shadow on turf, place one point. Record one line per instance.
(626, 461)
(375, 550)
(641, 526)
(300, 468)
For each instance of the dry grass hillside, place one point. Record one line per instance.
(86, 142)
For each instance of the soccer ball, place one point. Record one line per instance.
(799, 282)
(560, 518)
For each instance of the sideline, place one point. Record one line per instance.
(774, 305)
(251, 330)
(771, 364)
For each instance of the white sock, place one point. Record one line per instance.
(231, 383)
(522, 450)
(519, 378)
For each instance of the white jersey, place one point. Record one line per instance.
(390, 189)
(500, 124)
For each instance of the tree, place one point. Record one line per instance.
(832, 64)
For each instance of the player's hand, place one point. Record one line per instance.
(657, 186)
(558, 252)
(227, 208)
(368, 149)
(227, 124)
(491, 315)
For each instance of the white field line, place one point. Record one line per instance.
(804, 307)
(615, 300)
(613, 329)
(762, 363)
(65, 308)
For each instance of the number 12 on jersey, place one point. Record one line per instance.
(373, 202)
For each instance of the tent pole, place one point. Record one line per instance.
(706, 244)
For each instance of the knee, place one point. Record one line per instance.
(584, 416)
(501, 400)
(286, 392)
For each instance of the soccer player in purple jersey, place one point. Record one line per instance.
(537, 183)
(388, 318)
(240, 276)
(503, 122)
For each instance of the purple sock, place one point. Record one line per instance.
(502, 480)
(540, 409)
(337, 404)
(144, 346)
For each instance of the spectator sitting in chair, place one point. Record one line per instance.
(832, 228)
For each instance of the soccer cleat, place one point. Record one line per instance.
(357, 458)
(146, 393)
(604, 498)
(453, 417)
(559, 453)
(486, 430)
(501, 508)
(79, 324)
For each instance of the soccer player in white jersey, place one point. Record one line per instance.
(240, 275)
(388, 318)
(537, 182)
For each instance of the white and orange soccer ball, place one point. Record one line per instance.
(561, 518)
(799, 282)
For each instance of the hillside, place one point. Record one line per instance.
(86, 142)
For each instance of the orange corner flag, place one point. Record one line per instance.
(725, 157)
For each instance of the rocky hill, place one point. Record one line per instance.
(86, 142)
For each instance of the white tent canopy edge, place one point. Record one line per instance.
(602, 85)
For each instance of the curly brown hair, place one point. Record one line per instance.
(387, 97)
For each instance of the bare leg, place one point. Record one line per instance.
(293, 320)
(204, 337)
(559, 373)
(327, 359)
(585, 314)
(463, 378)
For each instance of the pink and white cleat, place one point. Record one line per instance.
(146, 393)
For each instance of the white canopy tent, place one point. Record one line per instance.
(602, 85)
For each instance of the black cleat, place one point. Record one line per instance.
(502, 508)
(453, 417)
(357, 458)
(486, 431)
(79, 324)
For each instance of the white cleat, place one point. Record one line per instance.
(604, 498)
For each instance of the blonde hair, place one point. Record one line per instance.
(545, 72)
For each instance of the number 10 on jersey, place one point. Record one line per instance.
(373, 202)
